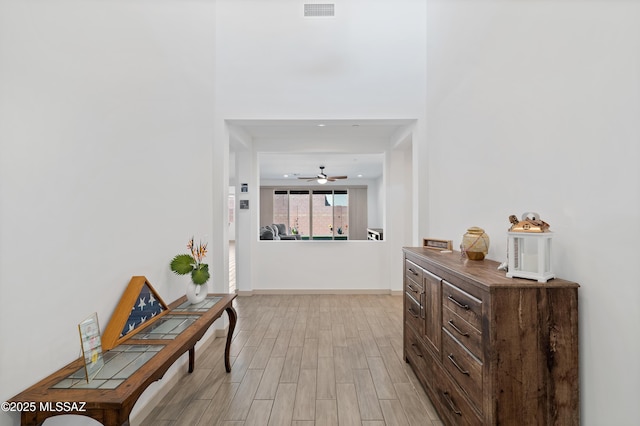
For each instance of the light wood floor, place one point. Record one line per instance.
(304, 360)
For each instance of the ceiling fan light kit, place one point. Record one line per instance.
(321, 177)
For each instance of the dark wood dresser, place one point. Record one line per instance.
(490, 349)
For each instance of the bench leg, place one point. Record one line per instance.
(192, 359)
(233, 317)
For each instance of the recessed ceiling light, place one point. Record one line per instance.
(286, 175)
(321, 125)
(359, 175)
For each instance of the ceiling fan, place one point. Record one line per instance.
(321, 177)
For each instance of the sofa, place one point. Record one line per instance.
(277, 231)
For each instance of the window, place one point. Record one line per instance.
(330, 214)
(292, 209)
(317, 215)
(299, 217)
(281, 207)
(341, 213)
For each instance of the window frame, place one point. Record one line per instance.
(334, 236)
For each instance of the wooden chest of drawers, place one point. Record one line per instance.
(490, 349)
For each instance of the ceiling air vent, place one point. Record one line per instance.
(315, 9)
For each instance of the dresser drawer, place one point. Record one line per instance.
(467, 306)
(463, 331)
(454, 406)
(413, 314)
(463, 367)
(414, 272)
(412, 288)
(418, 356)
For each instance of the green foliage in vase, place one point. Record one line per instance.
(183, 264)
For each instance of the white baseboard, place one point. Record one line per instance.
(345, 292)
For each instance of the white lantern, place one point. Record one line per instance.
(529, 249)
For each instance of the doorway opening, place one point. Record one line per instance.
(232, 239)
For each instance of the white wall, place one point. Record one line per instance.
(368, 62)
(106, 123)
(105, 149)
(535, 106)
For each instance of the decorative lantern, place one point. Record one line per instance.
(529, 248)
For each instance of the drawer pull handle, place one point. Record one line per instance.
(413, 314)
(462, 305)
(451, 404)
(411, 288)
(415, 349)
(460, 332)
(453, 361)
(412, 271)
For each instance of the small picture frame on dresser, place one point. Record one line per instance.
(435, 244)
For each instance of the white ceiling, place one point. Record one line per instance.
(300, 147)
(320, 128)
(361, 166)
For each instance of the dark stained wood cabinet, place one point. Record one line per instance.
(489, 349)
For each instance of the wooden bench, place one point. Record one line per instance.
(145, 358)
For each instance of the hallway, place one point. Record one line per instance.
(304, 360)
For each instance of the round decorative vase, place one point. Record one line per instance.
(475, 243)
(196, 293)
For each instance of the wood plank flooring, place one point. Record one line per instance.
(304, 360)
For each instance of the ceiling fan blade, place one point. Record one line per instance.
(321, 176)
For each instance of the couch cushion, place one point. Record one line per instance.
(281, 227)
(274, 230)
(266, 233)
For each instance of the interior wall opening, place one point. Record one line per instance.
(340, 203)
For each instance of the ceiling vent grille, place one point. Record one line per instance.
(315, 9)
